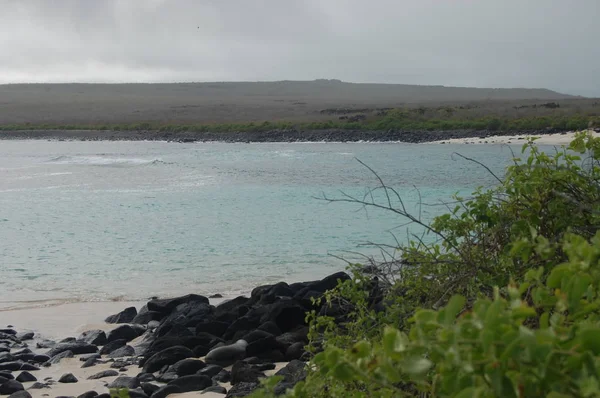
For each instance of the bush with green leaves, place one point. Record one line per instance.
(504, 302)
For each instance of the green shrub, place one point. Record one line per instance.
(444, 328)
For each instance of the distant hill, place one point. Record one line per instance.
(226, 101)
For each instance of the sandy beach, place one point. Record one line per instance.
(173, 324)
(548, 139)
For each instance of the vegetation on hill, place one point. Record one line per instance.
(504, 303)
(533, 117)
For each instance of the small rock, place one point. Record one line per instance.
(104, 373)
(68, 378)
(89, 362)
(24, 336)
(125, 351)
(88, 394)
(25, 376)
(20, 394)
(38, 386)
(144, 377)
(95, 337)
(10, 387)
(216, 295)
(65, 354)
(45, 344)
(125, 382)
(41, 358)
(7, 375)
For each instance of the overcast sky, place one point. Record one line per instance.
(485, 43)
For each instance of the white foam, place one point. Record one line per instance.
(103, 160)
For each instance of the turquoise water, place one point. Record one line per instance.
(92, 221)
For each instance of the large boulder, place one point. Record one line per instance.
(292, 373)
(165, 306)
(286, 314)
(112, 346)
(124, 316)
(242, 390)
(125, 332)
(327, 283)
(94, 337)
(125, 351)
(215, 328)
(166, 342)
(192, 383)
(166, 357)
(187, 367)
(164, 391)
(229, 311)
(241, 372)
(143, 318)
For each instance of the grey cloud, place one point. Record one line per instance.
(509, 43)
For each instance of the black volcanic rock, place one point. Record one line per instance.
(124, 316)
(10, 387)
(76, 347)
(68, 378)
(124, 332)
(95, 337)
(164, 391)
(166, 357)
(192, 383)
(242, 372)
(125, 382)
(113, 345)
(25, 377)
(165, 306)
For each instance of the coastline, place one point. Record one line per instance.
(279, 136)
(189, 343)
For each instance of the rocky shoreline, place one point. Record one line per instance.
(172, 346)
(292, 135)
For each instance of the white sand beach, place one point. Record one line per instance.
(548, 139)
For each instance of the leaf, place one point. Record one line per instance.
(362, 349)
(556, 276)
(343, 372)
(454, 306)
(394, 340)
(590, 340)
(416, 366)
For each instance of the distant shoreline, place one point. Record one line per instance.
(281, 136)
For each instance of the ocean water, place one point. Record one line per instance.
(101, 221)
